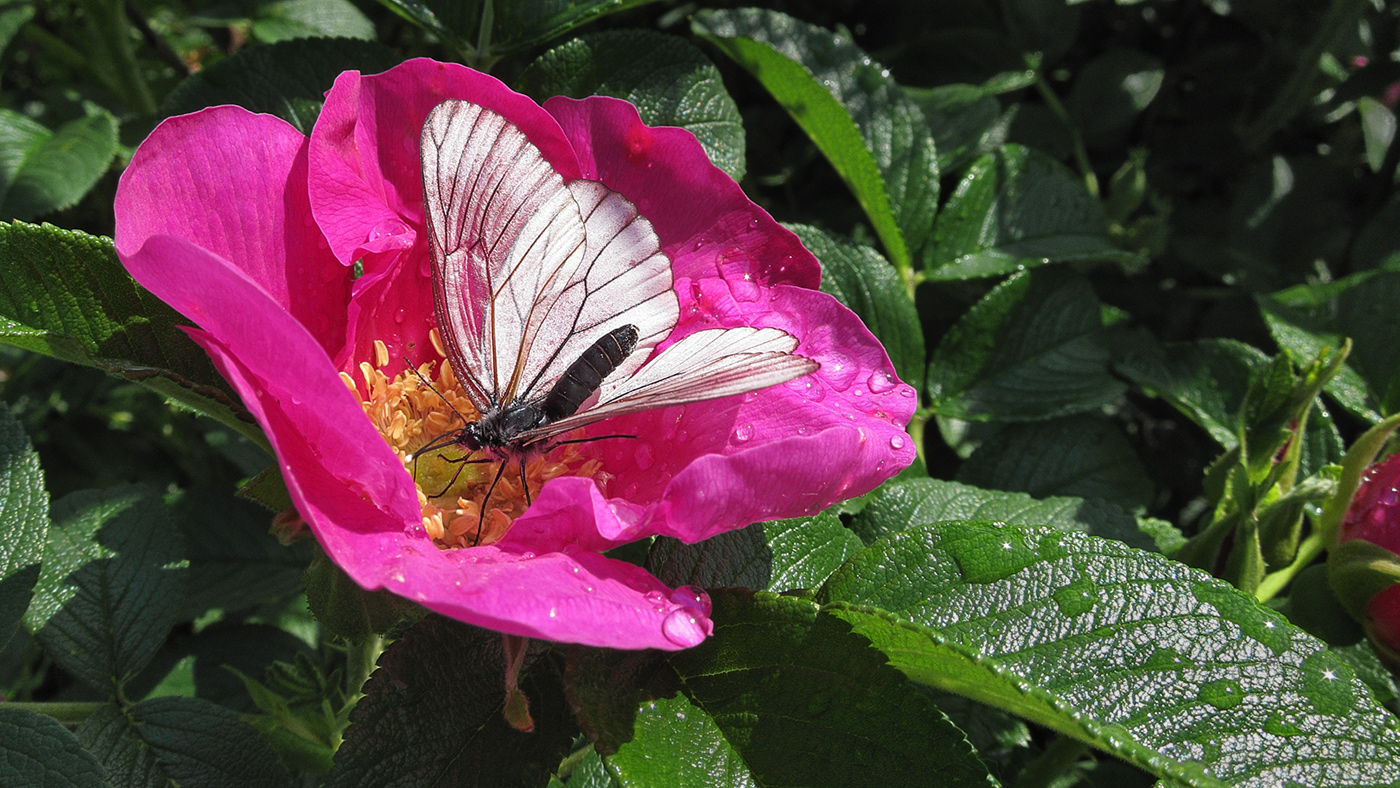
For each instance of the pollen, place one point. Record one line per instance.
(417, 408)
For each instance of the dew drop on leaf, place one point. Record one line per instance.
(1222, 694)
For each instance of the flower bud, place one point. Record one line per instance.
(1365, 565)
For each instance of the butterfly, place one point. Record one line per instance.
(551, 298)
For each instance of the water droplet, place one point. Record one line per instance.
(683, 628)
(743, 433)
(1222, 694)
(644, 454)
(693, 597)
(737, 271)
(1077, 598)
(656, 599)
(1280, 724)
(896, 441)
(553, 612)
(989, 566)
(527, 555)
(880, 382)
(399, 316)
(839, 370)
(1164, 659)
(398, 577)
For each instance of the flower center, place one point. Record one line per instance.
(417, 408)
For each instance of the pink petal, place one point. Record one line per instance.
(343, 477)
(233, 183)
(707, 225)
(580, 597)
(367, 188)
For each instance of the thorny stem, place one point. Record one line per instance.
(360, 661)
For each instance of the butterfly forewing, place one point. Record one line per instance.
(529, 272)
(713, 363)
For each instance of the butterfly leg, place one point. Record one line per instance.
(481, 517)
(462, 462)
(524, 482)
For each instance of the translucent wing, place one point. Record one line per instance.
(529, 271)
(709, 364)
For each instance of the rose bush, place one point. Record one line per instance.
(305, 265)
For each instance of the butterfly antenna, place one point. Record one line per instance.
(481, 517)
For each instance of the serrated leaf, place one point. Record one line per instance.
(414, 727)
(287, 79)
(65, 294)
(112, 581)
(591, 773)
(966, 122)
(1018, 208)
(1307, 336)
(1206, 379)
(181, 741)
(918, 502)
(234, 562)
(37, 750)
(1080, 456)
(873, 135)
(1032, 348)
(798, 697)
(864, 281)
(733, 558)
(1184, 671)
(295, 19)
(24, 522)
(806, 550)
(670, 81)
(677, 744)
(43, 171)
(514, 25)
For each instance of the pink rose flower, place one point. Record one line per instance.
(1374, 515)
(256, 233)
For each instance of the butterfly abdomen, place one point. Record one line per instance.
(584, 376)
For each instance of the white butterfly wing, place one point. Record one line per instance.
(530, 271)
(709, 364)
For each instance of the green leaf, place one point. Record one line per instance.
(1361, 307)
(37, 751)
(1377, 130)
(591, 773)
(514, 26)
(806, 550)
(24, 522)
(287, 79)
(679, 746)
(415, 727)
(1081, 456)
(112, 582)
(604, 687)
(65, 294)
(873, 135)
(289, 19)
(670, 81)
(1141, 656)
(918, 502)
(1015, 209)
(733, 558)
(866, 282)
(234, 562)
(1032, 348)
(806, 703)
(1206, 380)
(180, 741)
(43, 171)
(1110, 91)
(1306, 334)
(966, 122)
(13, 16)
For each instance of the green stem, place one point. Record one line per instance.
(360, 663)
(572, 761)
(1081, 154)
(1274, 582)
(917, 427)
(69, 714)
(1298, 92)
(1062, 753)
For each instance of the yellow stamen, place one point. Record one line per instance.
(410, 415)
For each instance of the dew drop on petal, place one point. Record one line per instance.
(743, 433)
(399, 316)
(693, 597)
(656, 599)
(682, 628)
(839, 370)
(880, 382)
(897, 442)
(645, 455)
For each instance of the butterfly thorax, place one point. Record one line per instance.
(500, 428)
